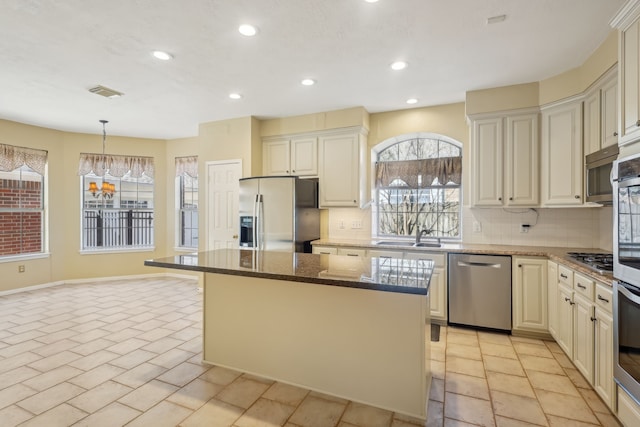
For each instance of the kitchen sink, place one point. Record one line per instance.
(408, 244)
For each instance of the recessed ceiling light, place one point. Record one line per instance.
(162, 55)
(496, 19)
(247, 30)
(308, 82)
(371, 1)
(399, 65)
(412, 101)
(235, 96)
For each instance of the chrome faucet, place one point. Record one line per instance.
(420, 233)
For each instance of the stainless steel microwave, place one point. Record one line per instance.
(598, 175)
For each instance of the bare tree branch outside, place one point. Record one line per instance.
(432, 206)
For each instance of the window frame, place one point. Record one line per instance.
(375, 210)
(179, 191)
(134, 209)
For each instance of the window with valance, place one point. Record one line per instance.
(22, 183)
(117, 201)
(418, 180)
(187, 201)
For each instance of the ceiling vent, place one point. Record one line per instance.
(105, 91)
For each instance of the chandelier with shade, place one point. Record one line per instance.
(107, 189)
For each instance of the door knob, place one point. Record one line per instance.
(235, 236)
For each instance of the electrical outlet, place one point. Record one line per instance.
(356, 224)
(21, 269)
(342, 224)
(477, 227)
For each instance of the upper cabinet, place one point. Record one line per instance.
(628, 22)
(342, 168)
(505, 160)
(562, 159)
(290, 156)
(601, 114)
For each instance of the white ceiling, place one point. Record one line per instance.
(53, 51)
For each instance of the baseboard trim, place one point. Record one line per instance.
(97, 279)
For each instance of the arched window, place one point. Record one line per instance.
(418, 183)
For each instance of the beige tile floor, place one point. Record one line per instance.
(129, 353)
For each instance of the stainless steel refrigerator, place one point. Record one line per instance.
(279, 213)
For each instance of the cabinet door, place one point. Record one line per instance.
(583, 310)
(304, 156)
(275, 157)
(609, 113)
(603, 375)
(592, 123)
(530, 294)
(629, 78)
(521, 160)
(562, 160)
(552, 297)
(487, 162)
(324, 250)
(352, 251)
(565, 319)
(339, 170)
(438, 285)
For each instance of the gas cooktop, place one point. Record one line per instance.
(598, 262)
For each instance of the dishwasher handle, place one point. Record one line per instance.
(478, 264)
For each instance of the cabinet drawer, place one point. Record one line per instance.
(326, 250)
(604, 297)
(438, 259)
(583, 285)
(352, 252)
(565, 275)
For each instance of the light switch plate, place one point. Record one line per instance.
(477, 227)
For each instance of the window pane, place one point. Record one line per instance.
(449, 150)
(388, 155)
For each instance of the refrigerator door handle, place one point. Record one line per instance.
(260, 223)
(255, 220)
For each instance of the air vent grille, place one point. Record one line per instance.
(105, 91)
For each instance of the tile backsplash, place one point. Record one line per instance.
(564, 227)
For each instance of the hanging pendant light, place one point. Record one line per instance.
(107, 190)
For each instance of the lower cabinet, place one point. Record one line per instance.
(552, 297)
(628, 409)
(603, 381)
(583, 338)
(529, 294)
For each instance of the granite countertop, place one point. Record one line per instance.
(556, 254)
(380, 274)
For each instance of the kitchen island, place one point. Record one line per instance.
(355, 328)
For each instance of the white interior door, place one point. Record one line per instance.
(222, 203)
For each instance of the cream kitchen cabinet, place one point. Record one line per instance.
(628, 22)
(603, 382)
(342, 169)
(552, 297)
(505, 160)
(290, 156)
(438, 285)
(529, 293)
(352, 251)
(601, 114)
(562, 161)
(324, 250)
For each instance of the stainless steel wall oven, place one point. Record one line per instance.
(626, 269)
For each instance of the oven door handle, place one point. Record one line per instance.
(630, 295)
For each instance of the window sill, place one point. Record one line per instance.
(25, 257)
(185, 249)
(115, 250)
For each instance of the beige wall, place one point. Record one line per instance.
(503, 98)
(63, 205)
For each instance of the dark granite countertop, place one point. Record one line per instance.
(379, 274)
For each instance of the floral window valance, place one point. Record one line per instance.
(187, 165)
(12, 157)
(420, 173)
(116, 166)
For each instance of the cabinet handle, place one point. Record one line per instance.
(354, 201)
(293, 171)
(593, 319)
(615, 134)
(577, 197)
(567, 299)
(500, 198)
(603, 299)
(287, 171)
(581, 286)
(572, 303)
(510, 198)
(352, 254)
(519, 265)
(563, 276)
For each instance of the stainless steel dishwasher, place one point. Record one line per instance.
(480, 291)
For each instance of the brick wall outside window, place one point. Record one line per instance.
(20, 231)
